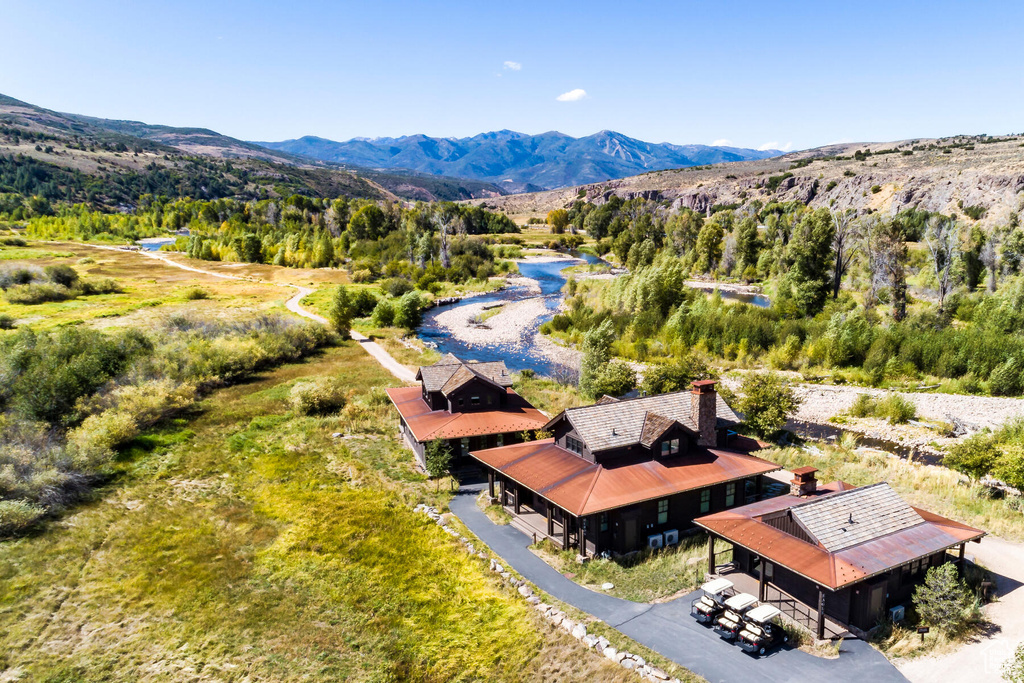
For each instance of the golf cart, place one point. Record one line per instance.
(711, 604)
(762, 630)
(730, 623)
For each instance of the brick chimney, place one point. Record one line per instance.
(804, 482)
(704, 411)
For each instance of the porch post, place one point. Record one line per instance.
(501, 490)
(821, 613)
(761, 582)
(711, 553)
(565, 530)
(583, 536)
(960, 559)
(551, 518)
(760, 486)
(515, 496)
(490, 484)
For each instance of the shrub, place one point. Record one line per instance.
(6, 322)
(975, 456)
(784, 356)
(875, 189)
(321, 396)
(86, 260)
(13, 242)
(92, 444)
(104, 286)
(896, 409)
(17, 516)
(408, 311)
(341, 312)
(195, 294)
(395, 286)
(362, 302)
(384, 313)
(668, 377)
(18, 275)
(62, 274)
(1013, 668)
(40, 293)
(1005, 380)
(944, 601)
(863, 406)
(767, 402)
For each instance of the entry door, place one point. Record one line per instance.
(630, 525)
(876, 602)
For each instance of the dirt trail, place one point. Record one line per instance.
(294, 304)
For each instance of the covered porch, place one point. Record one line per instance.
(538, 517)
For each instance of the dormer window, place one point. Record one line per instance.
(474, 401)
(670, 447)
(574, 445)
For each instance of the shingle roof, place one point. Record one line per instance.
(654, 426)
(882, 549)
(583, 488)
(855, 516)
(441, 376)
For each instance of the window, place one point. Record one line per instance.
(465, 445)
(730, 494)
(603, 521)
(500, 439)
(675, 447)
(490, 399)
(663, 511)
(462, 402)
(474, 401)
(574, 445)
(670, 447)
(705, 500)
(664, 448)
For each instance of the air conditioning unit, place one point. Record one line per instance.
(672, 537)
(897, 613)
(655, 541)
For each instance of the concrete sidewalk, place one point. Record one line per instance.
(667, 628)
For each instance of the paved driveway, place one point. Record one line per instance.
(668, 628)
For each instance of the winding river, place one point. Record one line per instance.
(523, 354)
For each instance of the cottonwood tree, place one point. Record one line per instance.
(844, 245)
(597, 351)
(810, 250)
(341, 311)
(942, 236)
(885, 244)
(990, 258)
(767, 402)
(558, 219)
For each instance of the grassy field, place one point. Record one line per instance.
(246, 543)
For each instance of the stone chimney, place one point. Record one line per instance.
(704, 411)
(804, 482)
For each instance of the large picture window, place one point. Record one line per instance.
(663, 511)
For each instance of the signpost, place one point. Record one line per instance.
(923, 630)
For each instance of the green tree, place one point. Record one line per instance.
(368, 223)
(975, 456)
(384, 313)
(767, 402)
(597, 349)
(558, 219)
(613, 379)
(665, 378)
(682, 230)
(323, 253)
(437, 455)
(709, 246)
(341, 311)
(943, 601)
(1010, 466)
(810, 249)
(251, 249)
(748, 245)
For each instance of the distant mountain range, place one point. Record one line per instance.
(517, 162)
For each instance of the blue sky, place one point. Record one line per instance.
(787, 75)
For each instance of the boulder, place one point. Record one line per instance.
(639, 660)
(628, 664)
(525, 591)
(568, 624)
(579, 632)
(506, 576)
(590, 640)
(533, 600)
(498, 568)
(655, 672)
(611, 653)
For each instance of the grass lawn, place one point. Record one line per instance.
(245, 543)
(643, 577)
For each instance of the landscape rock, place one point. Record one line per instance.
(579, 632)
(533, 600)
(590, 640)
(639, 660)
(607, 586)
(655, 672)
(628, 664)
(525, 591)
(611, 653)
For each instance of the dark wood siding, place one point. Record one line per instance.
(489, 397)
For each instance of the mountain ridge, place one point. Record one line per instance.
(515, 161)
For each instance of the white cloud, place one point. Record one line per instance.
(722, 143)
(572, 96)
(513, 66)
(775, 145)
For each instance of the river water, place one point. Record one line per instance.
(524, 354)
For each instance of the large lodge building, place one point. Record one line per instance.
(625, 475)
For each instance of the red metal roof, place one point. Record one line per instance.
(427, 424)
(744, 527)
(584, 488)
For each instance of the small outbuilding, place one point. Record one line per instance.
(849, 553)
